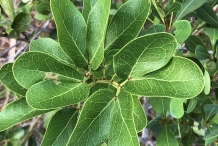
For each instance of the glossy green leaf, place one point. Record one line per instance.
(156, 28)
(97, 25)
(211, 133)
(180, 78)
(207, 14)
(183, 30)
(214, 119)
(50, 47)
(137, 57)
(87, 6)
(211, 67)
(176, 108)
(95, 119)
(187, 7)
(8, 7)
(207, 82)
(63, 122)
(8, 80)
(125, 26)
(21, 22)
(72, 29)
(202, 53)
(17, 112)
(139, 115)
(166, 138)
(213, 35)
(175, 7)
(192, 42)
(123, 130)
(210, 110)
(49, 94)
(161, 105)
(191, 105)
(33, 67)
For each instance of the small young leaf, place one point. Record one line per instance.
(95, 119)
(72, 30)
(125, 26)
(176, 108)
(202, 53)
(97, 25)
(175, 7)
(43, 8)
(161, 105)
(8, 80)
(63, 122)
(183, 30)
(207, 82)
(192, 42)
(8, 7)
(21, 22)
(50, 47)
(16, 112)
(33, 67)
(156, 28)
(14, 33)
(180, 78)
(139, 115)
(166, 138)
(123, 131)
(87, 6)
(191, 105)
(187, 7)
(49, 94)
(213, 35)
(207, 14)
(136, 58)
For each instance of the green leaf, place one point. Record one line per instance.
(72, 29)
(202, 53)
(213, 35)
(192, 104)
(123, 130)
(139, 115)
(43, 8)
(63, 122)
(175, 7)
(187, 7)
(176, 108)
(21, 22)
(50, 47)
(17, 112)
(156, 28)
(207, 14)
(212, 132)
(166, 138)
(214, 119)
(17, 134)
(137, 57)
(189, 138)
(87, 6)
(8, 7)
(49, 94)
(183, 30)
(97, 25)
(8, 80)
(33, 67)
(210, 110)
(192, 42)
(14, 33)
(161, 105)
(180, 78)
(125, 26)
(207, 82)
(95, 119)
